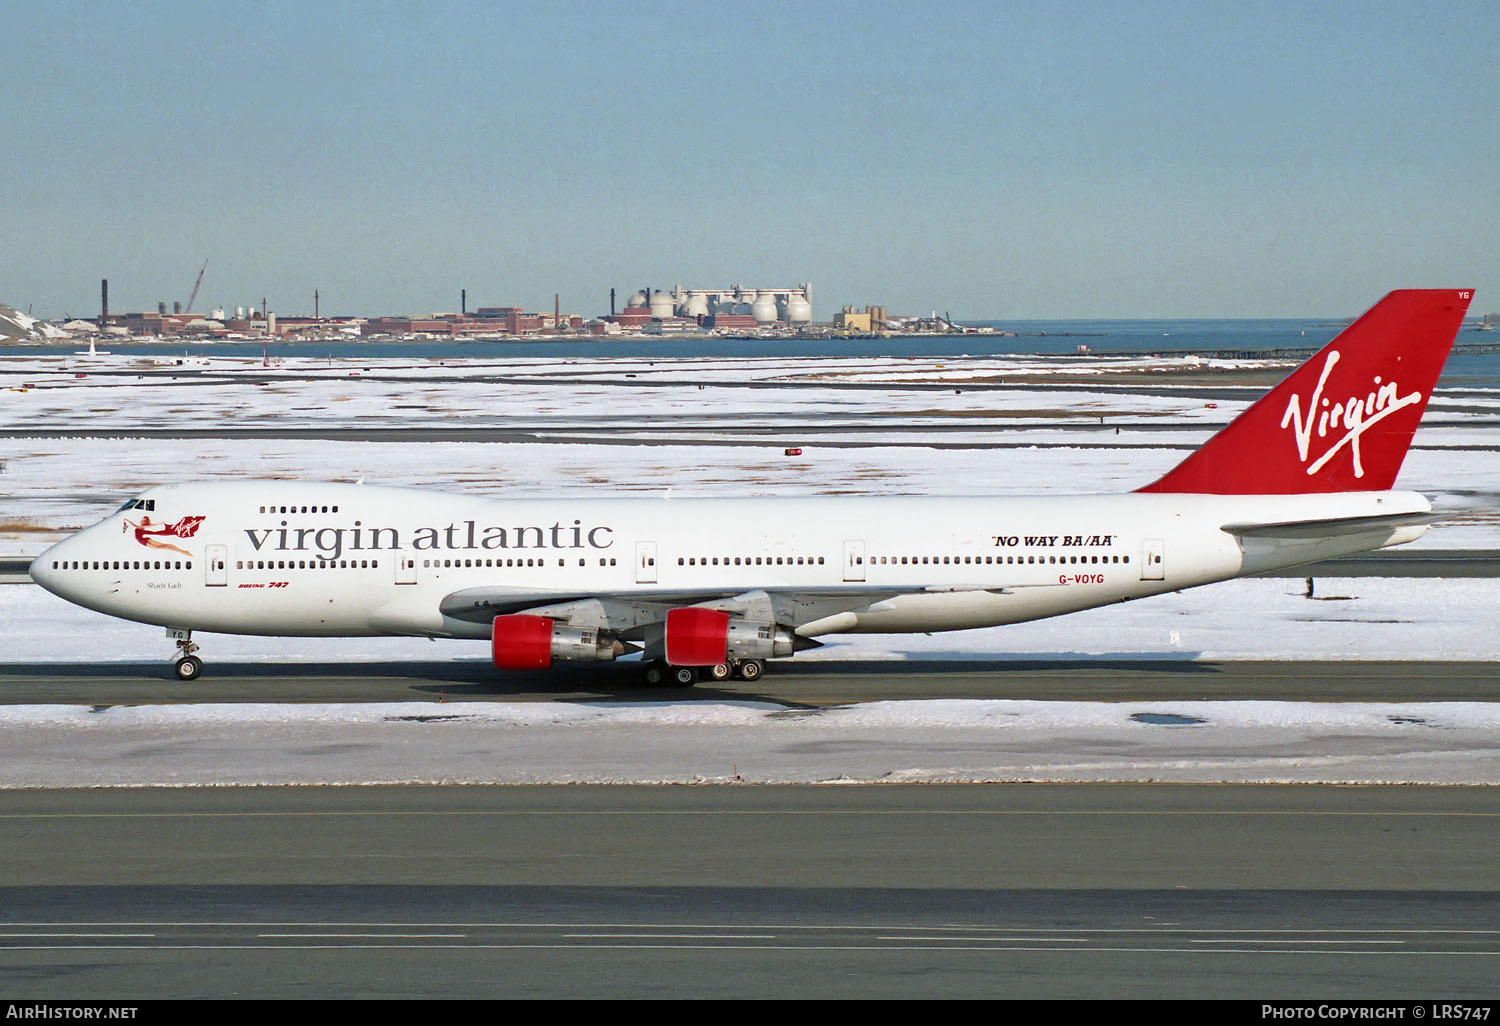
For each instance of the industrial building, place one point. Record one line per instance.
(734, 309)
(486, 320)
(870, 321)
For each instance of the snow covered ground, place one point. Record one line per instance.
(52, 485)
(712, 433)
(692, 742)
(219, 393)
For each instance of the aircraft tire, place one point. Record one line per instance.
(188, 668)
(684, 676)
(720, 671)
(752, 669)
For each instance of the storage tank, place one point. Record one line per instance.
(636, 301)
(661, 304)
(696, 305)
(764, 309)
(798, 309)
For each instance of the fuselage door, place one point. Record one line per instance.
(854, 560)
(1153, 560)
(645, 562)
(216, 565)
(406, 568)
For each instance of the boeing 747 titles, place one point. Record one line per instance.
(715, 587)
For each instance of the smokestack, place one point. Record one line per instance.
(556, 312)
(177, 307)
(317, 315)
(103, 303)
(611, 302)
(463, 302)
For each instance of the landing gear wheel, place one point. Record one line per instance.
(719, 671)
(187, 665)
(752, 669)
(684, 676)
(655, 674)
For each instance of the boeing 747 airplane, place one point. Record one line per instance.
(716, 587)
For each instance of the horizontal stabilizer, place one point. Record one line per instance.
(1331, 527)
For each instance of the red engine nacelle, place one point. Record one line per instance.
(697, 637)
(521, 641)
(706, 637)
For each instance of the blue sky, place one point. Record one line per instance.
(996, 160)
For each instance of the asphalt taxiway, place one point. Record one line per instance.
(814, 891)
(793, 684)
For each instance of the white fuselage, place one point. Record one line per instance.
(294, 558)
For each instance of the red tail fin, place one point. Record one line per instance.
(1342, 422)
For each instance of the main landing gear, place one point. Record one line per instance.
(660, 674)
(187, 665)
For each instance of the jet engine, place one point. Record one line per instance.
(705, 637)
(523, 642)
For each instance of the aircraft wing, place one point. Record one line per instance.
(626, 615)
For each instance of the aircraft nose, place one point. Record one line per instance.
(43, 568)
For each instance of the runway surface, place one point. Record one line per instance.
(976, 891)
(793, 684)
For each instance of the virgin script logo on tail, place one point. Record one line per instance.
(1355, 415)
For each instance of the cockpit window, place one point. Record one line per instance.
(146, 504)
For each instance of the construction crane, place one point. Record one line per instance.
(189, 308)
